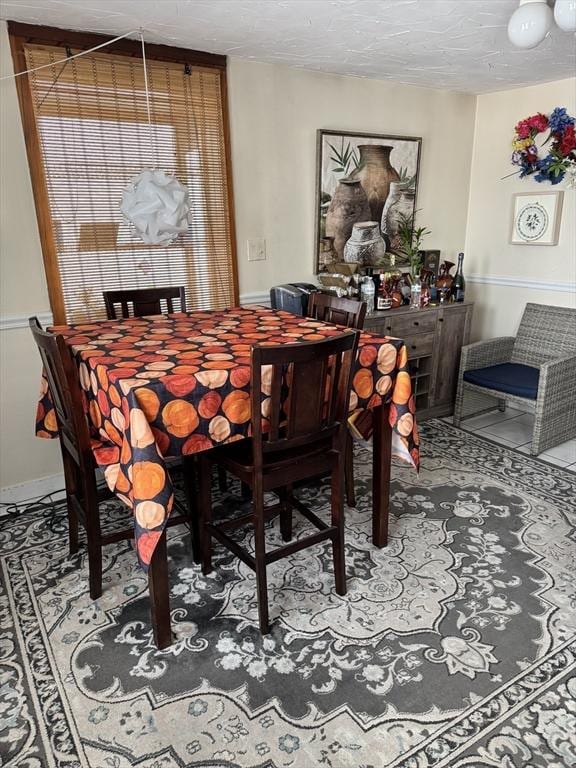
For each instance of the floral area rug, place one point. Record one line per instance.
(455, 645)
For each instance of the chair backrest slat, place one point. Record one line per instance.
(144, 301)
(331, 309)
(308, 389)
(545, 332)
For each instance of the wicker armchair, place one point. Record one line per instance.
(535, 371)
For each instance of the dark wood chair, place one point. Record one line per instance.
(331, 309)
(143, 301)
(83, 495)
(148, 301)
(308, 405)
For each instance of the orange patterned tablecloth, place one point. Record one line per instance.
(173, 385)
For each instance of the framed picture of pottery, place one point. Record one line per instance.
(361, 178)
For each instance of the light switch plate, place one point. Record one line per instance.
(256, 249)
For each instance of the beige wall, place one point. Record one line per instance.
(275, 112)
(22, 293)
(488, 252)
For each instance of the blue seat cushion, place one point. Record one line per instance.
(512, 378)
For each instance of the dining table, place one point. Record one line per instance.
(170, 386)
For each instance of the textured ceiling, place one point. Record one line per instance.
(453, 44)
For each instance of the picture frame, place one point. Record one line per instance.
(536, 217)
(362, 177)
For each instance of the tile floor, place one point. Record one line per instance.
(514, 428)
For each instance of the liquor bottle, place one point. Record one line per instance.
(382, 301)
(459, 284)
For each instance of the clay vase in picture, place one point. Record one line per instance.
(400, 201)
(348, 206)
(376, 174)
(365, 245)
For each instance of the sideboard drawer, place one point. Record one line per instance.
(409, 324)
(420, 345)
(404, 325)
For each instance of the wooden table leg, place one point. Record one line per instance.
(382, 455)
(160, 595)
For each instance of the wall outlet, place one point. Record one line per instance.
(256, 249)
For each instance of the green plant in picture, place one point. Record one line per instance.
(411, 238)
(408, 181)
(345, 159)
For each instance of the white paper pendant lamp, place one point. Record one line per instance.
(157, 206)
(155, 202)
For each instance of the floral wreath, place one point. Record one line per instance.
(560, 160)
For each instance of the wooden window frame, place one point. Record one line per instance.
(25, 34)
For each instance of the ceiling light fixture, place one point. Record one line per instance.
(565, 15)
(532, 21)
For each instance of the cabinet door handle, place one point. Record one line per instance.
(416, 322)
(388, 327)
(413, 346)
(440, 319)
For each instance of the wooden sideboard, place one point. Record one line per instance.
(434, 337)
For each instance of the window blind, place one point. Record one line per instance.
(94, 136)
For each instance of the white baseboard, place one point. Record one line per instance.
(32, 490)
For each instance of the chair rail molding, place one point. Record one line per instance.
(9, 322)
(522, 282)
(261, 297)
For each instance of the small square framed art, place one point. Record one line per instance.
(536, 218)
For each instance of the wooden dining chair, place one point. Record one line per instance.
(305, 431)
(83, 495)
(332, 309)
(143, 301)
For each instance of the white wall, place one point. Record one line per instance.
(22, 292)
(275, 112)
(488, 252)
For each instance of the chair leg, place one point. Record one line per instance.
(459, 403)
(94, 539)
(285, 513)
(190, 471)
(205, 504)
(72, 527)
(222, 480)
(260, 557)
(158, 587)
(349, 471)
(71, 485)
(502, 406)
(94, 566)
(337, 502)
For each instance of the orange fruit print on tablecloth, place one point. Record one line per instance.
(170, 385)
